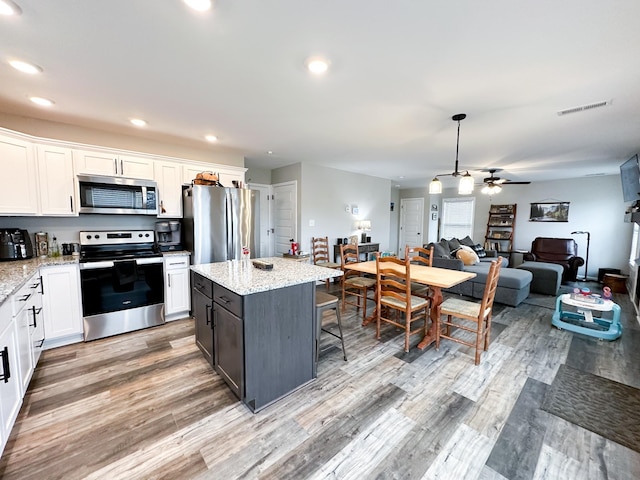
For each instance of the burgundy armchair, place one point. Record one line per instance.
(563, 251)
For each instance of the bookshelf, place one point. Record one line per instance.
(501, 225)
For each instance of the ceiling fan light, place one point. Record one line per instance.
(491, 189)
(435, 187)
(465, 187)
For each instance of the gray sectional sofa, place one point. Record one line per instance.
(513, 283)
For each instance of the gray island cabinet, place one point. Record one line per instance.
(256, 327)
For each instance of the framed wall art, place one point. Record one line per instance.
(549, 212)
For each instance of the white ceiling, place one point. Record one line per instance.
(399, 70)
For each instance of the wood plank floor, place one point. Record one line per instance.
(147, 405)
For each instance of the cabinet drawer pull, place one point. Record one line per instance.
(6, 371)
(225, 299)
(25, 297)
(207, 315)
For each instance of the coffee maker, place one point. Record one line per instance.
(15, 244)
(168, 236)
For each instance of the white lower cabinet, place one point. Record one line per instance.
(177, 294)
(61, 305)
(27, 307)
(10, 385)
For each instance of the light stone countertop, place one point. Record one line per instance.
(176, 253)
(14, 273)
(247, 279)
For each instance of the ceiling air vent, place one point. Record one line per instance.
(583, 108)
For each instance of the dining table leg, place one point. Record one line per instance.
(436, 301)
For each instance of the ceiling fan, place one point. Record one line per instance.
(493, 184)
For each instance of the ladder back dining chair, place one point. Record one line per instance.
(419, 256)
(355, 286)
(320, 253)
(474, 317)
(395, 303)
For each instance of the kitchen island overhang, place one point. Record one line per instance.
(264, 326)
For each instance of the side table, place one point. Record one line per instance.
(582, 320)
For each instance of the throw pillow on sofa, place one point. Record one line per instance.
(479, 250)
(467, 241)
(467, 255)
(454, 245)
(440, 251)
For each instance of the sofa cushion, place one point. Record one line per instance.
(467, 241)
(509, 277)
(467, 255)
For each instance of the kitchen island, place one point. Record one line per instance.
(257, 328)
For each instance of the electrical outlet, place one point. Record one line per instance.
(347, 209)
(312, 223)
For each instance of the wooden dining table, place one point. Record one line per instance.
(434, 277)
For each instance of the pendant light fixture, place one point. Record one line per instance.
(465, 186)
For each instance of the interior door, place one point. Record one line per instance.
(411, 223)
(267, 236)
(285, 215)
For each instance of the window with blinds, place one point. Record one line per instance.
(457, 217)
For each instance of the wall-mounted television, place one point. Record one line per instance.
(630, 177)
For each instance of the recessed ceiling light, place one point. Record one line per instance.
(211, 138)
(138, 122)
(43, 102)
(199, 5)
(25, 67)
(7, 7)
(317, 66)
(269, 152)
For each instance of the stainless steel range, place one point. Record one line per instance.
(122, 282)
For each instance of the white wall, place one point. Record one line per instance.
(596, 206)
(325, 192)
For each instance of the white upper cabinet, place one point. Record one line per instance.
(57, 185)
(189, 172)
(136, 167)
(168, 176)
(226, 174)
(18, 183)
(105, 163)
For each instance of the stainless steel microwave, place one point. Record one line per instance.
(119, 195)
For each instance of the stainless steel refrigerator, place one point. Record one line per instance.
(218, 222)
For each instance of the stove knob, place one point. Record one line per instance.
(97, 237)
(146, 235)
(88, 237)
(140, 235)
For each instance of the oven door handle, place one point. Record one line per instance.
(150, 260)
(110, 264)
(95, 265)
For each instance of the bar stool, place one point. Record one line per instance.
(325, 302)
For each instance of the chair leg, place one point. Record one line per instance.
(479, 341)
(407, 330)
(344, 351)
(438, 328)
(487, 334)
